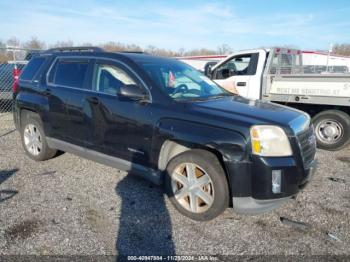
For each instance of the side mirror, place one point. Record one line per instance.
(133, 92)
(208, 69)
(208, 72)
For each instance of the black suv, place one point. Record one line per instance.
(161, 119)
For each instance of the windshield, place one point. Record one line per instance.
(182, 82)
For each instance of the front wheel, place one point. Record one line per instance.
(197, 185)
(332, 128)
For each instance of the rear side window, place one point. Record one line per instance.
(32, 68)
(69, 73)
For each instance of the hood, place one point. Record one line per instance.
(252, 112)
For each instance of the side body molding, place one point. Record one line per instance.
(145, 172)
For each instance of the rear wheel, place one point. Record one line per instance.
(196, 185)
(332, 128)
(34, 139)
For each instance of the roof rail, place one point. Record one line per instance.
(132, 52)
(75, 49)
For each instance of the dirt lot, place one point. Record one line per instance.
(69, 205)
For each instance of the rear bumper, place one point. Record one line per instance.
(251, 183)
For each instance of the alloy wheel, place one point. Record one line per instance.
(32, 139)
(192, 187)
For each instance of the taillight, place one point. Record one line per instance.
(16, 73)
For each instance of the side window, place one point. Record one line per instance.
(109, 79)
(285, 64)
(32, 68)
(69, 73)
(239, 65)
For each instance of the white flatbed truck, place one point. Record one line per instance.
(277, 75)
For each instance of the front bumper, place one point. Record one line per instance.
(252, 206)
(251, 183)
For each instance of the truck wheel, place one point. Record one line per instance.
(196, 185)
(34, 139)
(332, 128)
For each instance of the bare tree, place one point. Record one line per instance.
(34, 43)
(201, 51)
(112, 46)
(4, 56)
(181, 51)
(85, 44)
(224, 50)
(13, 42)
(117, 46)
(151, 49)
(342, 49)
(67, 43)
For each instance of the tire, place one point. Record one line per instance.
(216, 191)
(332, 128)
(31, 124)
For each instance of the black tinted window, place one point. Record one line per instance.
(70, 73)
(32, 68)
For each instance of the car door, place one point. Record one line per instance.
(120, 126)
(243, 71)
(68, 84)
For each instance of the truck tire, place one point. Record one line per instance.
(34, 139)
(332, 128)
(196, 184)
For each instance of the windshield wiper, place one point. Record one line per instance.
(220, 95)
(204, 98)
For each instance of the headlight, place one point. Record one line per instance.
(269, 141)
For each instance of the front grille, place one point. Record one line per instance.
(307, 144)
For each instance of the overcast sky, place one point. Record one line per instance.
(179, 23)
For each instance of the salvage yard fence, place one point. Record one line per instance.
(6, 84)
(12, 61)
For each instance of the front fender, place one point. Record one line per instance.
(230, 144)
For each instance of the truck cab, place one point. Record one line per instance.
(244, 70)
(278, 75)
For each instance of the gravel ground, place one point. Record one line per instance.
(69, 205)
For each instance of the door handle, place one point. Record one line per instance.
(241, 83)
(94, 100)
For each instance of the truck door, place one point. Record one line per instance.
(242, 71)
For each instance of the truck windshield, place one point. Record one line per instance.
(182, 82)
